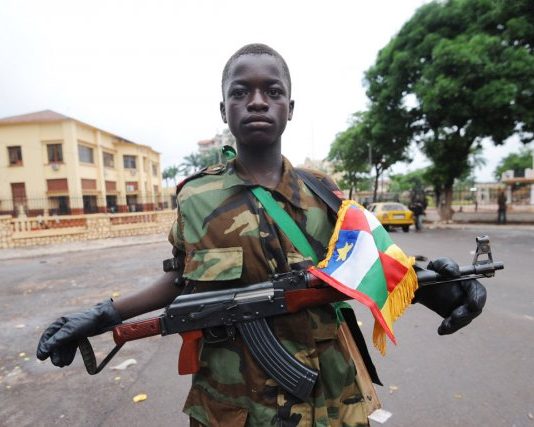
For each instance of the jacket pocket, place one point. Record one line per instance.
(214, 264)
(213, 413)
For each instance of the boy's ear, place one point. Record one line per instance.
(291, 107)
(223, 112)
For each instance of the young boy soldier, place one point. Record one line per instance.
(224, 238)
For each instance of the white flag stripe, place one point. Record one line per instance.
(371, 219)
(358, 263)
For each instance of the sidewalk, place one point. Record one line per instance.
(485, 217)
(82, 245)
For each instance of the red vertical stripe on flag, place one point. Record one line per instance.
(355, 220)
(394, 271)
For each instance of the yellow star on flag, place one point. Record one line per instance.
(343, 252)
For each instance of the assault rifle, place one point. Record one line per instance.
(246, 310)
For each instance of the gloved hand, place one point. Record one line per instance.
(60, 340)
(457, 302)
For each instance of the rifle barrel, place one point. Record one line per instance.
(425, 277)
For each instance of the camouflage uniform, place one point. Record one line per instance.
(228, 239)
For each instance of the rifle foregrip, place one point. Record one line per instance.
(189, 359)
(136, 330)
(287, 371)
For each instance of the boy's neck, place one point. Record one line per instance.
(263, 165)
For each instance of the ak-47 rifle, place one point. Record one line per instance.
(246, 310)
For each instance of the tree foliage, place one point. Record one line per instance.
(368, 143)
(458, 72)
(349, 155)
(409, 181)
(170, 172)
(196, 161)
(517, 162)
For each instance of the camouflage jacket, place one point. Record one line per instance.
(227, 239)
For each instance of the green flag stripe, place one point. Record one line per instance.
(374, 284)
(382, 239)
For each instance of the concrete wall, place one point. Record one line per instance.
(19, 232)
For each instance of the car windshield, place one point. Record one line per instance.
(394, 207)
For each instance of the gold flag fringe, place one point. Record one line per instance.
(399, 299)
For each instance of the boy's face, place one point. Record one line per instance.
(256, 103)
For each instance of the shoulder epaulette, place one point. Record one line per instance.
(208, 170)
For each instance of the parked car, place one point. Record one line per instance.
(392, 214)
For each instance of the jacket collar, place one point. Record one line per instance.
(289, 187)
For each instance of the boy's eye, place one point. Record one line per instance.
(237, 93)
(274, 91)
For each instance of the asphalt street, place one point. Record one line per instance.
(480, 376)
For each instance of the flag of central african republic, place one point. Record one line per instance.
(364, 263)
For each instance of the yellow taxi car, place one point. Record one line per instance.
(392, 214)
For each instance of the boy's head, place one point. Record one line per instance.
(255, 49)
(257, 103)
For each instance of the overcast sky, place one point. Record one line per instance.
(150, 71)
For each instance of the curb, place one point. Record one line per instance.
(478, 225)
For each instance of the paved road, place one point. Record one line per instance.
(481, 376)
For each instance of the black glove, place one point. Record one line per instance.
(60, 340)
(457, 302)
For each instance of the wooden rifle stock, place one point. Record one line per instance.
(136, 330)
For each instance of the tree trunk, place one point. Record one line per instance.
(445, 204)
(350, 192)
(375, 190)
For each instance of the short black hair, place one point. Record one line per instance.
(256, 49)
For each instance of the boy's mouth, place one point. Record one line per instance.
(258, 120)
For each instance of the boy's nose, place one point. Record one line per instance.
(257, 101)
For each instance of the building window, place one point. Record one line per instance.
(111, 186)
(109, 161)
(57, 185)
(129, 162)
(131, 186)
(88, 184)
(111, 204)
(89, 205)
(15, 156)
(154, 169)
(85, 154)
(55, 153)
(59, 205)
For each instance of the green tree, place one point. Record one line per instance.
(190, 164)
(517, 162)
(416, 179)
(170, 172)
(348, 153)
(211, 157)
(459, 72)
(367, 144)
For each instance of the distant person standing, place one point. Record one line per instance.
(501, 212)
(418, 210)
